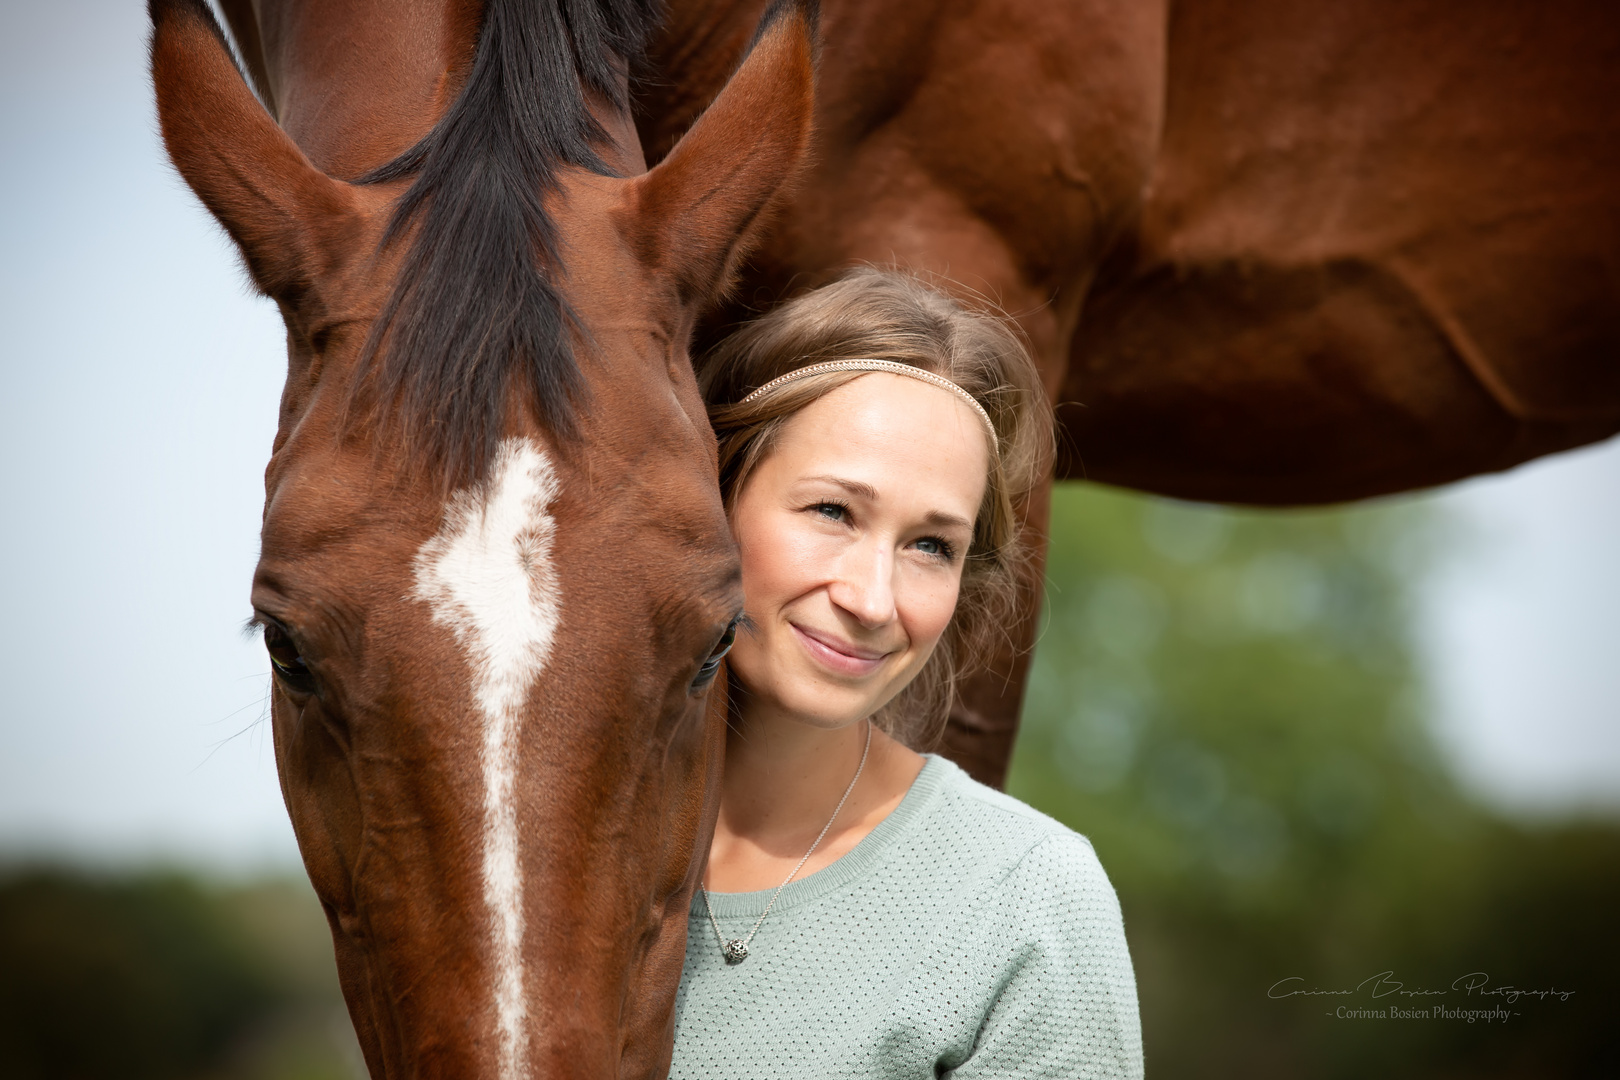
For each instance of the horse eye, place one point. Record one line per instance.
(285, 660)
(711, 666)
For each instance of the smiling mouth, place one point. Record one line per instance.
(840, 656)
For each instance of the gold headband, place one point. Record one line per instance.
(893, 368)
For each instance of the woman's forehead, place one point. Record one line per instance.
(893, 434)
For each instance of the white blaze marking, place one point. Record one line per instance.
(488, 576)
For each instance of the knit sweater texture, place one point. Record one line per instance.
(967, 936)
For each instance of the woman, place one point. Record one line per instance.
(869, 911)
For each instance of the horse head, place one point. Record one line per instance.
(495, 577)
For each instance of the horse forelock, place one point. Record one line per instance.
(476, 312)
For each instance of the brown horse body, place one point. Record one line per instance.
(1264, 253)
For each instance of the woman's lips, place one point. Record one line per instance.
(840, 656)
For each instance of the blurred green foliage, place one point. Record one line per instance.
(156, 975)
(1230, 704)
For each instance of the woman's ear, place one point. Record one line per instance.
(700, 209)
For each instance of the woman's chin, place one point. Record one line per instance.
(824, 707)
(813, 694)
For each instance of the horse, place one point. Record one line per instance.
(495, 579)
(1263, 252)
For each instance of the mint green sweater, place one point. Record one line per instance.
(967, 935)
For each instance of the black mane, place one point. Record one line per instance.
(475, 309)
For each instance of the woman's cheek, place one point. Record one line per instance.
(748, 662)
(797, 557)
(811, 557)
(926, 611)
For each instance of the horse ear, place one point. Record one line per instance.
(288, 218)
(700, 208)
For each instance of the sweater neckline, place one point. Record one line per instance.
(872, 849)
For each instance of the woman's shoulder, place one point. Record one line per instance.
(974, 803)
(1043, 928)
(1002, 830)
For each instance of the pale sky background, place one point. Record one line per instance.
(141, 381)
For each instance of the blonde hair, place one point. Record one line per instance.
(871, 314)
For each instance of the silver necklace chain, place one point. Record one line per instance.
(736, 950)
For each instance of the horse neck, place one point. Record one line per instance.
(357, 82)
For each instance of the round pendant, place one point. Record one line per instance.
(735, 951)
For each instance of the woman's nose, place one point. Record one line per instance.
(864, 585)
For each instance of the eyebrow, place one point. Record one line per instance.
(867, 491)
(936, 517)
(854, 487)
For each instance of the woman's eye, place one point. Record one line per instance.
(284, 658)
(831, 511)
(711, 666)
(933, 545)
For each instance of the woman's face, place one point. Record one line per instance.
(853, 533)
